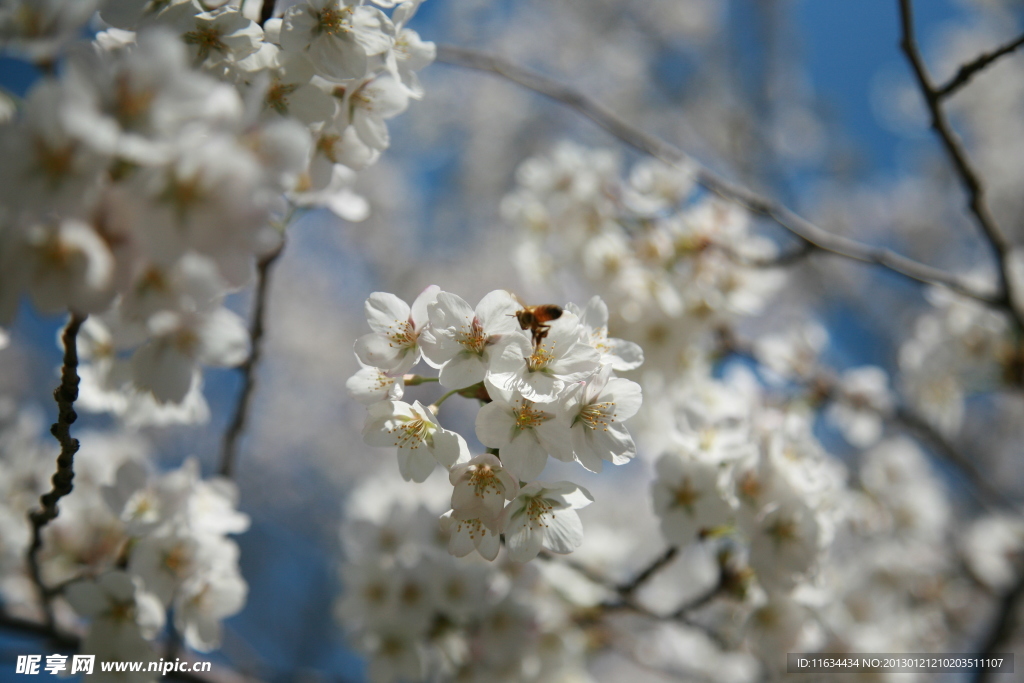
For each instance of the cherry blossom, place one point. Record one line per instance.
(544, 515)
(422, 443)
(393, 345)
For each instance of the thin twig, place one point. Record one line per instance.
(631, 586)
(969, 178)
(1002, 627)
(702, 599)
(807, 232)
(229, 451)
(625, 590)
(968, 70)
(591, 574)
(65, 395)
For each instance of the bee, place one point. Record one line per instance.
(536, 319)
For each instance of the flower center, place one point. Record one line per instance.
(686, 495)
(176, 560)
(539, 359)
(153, 280)
(206, 39)
(597, 415)
(536, 510)
(484, 480)
(122, 611)
(186, 341)
(473, 527)
(332, 21)
(402, 333)
(375, 593)
(782, 531)
(750, 486)
(183, 194)
(474, 338)
(325, 145)
(381, 381)
(528, 418)
(277, 96)
(411, 434)
(55, 162)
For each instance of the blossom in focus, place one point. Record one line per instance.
(525, 433)
(461, 341)
(482, 486)
(393, 345)
(544, 515)
(541, 372)
(422, 443)
(338, 36)
(595, 411)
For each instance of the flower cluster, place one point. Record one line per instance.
(420, 614)
(738, 470)
(129, 546)
(806, 557)
(544, 377)
(813, 559)
(673, 263)
(957, 348)
(143, 181)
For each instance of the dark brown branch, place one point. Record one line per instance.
(624, 591)
(229, 451)
(584, 570)
(267, 11)
(702, 599)
(968, 70)
(810, 234)
(629, 587)
(1003, 626)
(65, 395)
(969, 178)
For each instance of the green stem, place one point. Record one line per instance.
(416, 380)
(438, 402)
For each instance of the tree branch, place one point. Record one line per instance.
(958, 157)
(810, 234)
(65, 395)
(624, 591)
(629, 587)
(229, 450)
(968, 70)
